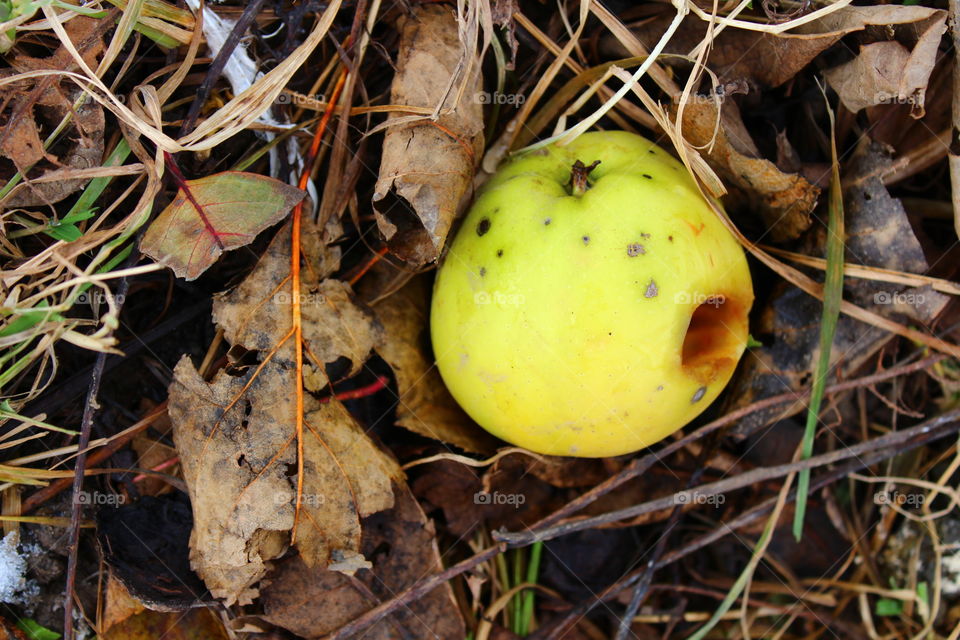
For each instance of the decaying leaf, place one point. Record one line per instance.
(147, 625)
(35, 105)
(771, 59)
(236, 434)
(257, 313)
(401, 545)
(888, 72)
(427, 166)
(878, 234)
(505, 494)
(214, 214)
(425, 406)
(783, 200)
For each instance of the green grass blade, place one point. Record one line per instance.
(832, 297)
(515, 600)
(526, 606)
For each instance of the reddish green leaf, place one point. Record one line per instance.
(216, 214)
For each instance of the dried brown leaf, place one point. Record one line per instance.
(236, 434)
(427, 166)
(256, 314)
(82, 142)
(425, 406)
(771, 59)
(783, 200)
(402, 546)
(888, 72)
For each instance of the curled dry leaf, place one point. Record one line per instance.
(401, 545)
(783, 200)
(427, 165)
(878, 234)
(424, 406)
(888, 72)
(215, 214)
(236, 434)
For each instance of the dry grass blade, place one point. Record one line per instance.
(872, 273)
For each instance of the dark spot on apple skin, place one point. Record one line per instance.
(648, 176)
(586, 240)
(499, 253)
(698, 396)
(547, 221)
(645, 236)
(635, 249)
(652, 290)
(660, 387)
(670, 238)
(483, 226)
(652, 151)
(483, 271)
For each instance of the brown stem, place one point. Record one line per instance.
(579, 175)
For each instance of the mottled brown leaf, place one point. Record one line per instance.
(20, 137)
(401, 545)
(237, 447)
(888, 72)
(771, 59)
(258, 310)
(424, 406)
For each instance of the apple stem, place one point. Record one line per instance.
(578, 177)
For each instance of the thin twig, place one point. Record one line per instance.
(643, 586)
(96, 457)
(748, 517)
(89, 411)
(219, 62)
(897, 438)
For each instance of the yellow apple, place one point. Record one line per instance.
(591, 303)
